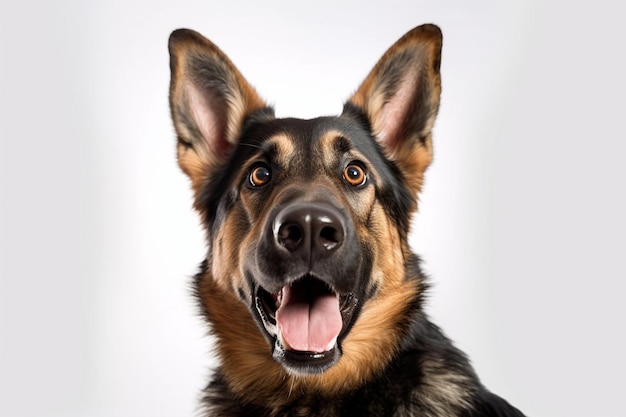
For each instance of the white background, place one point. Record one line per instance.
(521, 225)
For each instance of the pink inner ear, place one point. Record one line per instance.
(209, 115)
(395, 114)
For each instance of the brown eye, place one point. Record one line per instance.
(354, 175)
(260, 176)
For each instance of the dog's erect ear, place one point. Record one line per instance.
(400, 98)
(209, 100)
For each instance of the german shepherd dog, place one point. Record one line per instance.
(309, 286)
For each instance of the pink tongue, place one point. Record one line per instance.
(308, 318)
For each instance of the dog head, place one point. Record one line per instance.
(308, 271)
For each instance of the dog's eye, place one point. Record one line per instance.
(260, 176)
(354, 175)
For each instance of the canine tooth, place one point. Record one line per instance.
(281, 340)
(331, 345)
(279, 298)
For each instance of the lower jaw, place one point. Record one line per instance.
(305, 363)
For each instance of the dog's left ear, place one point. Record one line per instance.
(400, 99)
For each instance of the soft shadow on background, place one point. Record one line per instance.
(521, 224)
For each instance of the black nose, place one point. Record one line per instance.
(309, 230)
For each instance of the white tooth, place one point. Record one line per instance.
(331, 344)
(279, 298)
(282, 341)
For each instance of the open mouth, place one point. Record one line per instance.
(305, 321)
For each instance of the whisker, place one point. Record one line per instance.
(251, 145)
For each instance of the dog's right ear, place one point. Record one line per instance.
(209, 100)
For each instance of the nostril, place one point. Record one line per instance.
(290, 236)
(330, 237)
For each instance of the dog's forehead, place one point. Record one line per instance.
(324, 137)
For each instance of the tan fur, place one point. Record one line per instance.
(285, 149)
(443, 392)
(326, 143)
